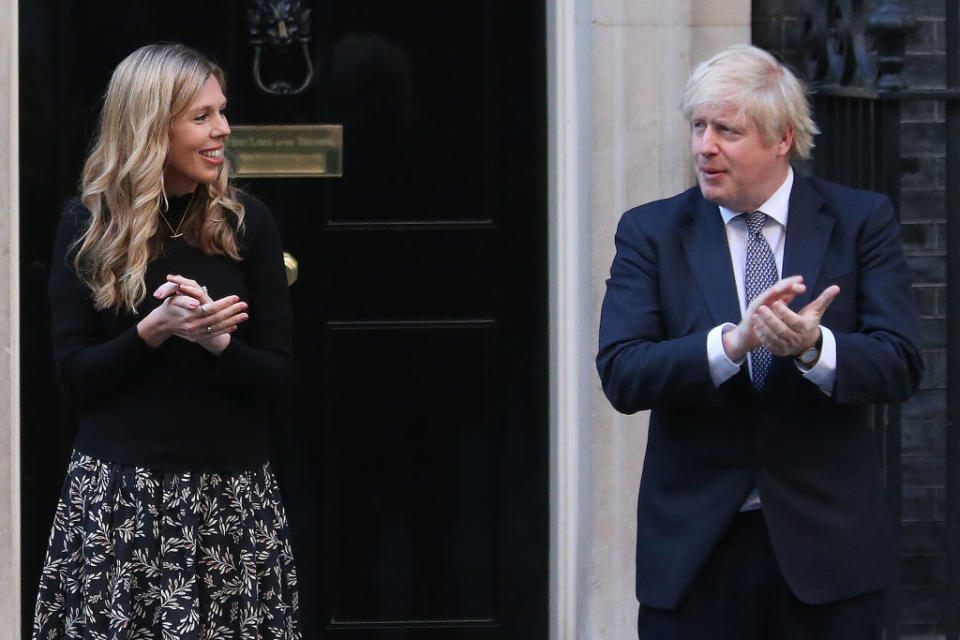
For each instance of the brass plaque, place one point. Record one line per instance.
(286, 151)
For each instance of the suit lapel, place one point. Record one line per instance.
(705, 241)
(808, 235)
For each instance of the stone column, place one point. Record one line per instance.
(9, 327)
(617, 140)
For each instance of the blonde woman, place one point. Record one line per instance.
(171, 335)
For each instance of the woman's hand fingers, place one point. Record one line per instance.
(196, 321)
(165, 290)
(184, 302)
(190, 287)
(223, 320)
(171, 289)
(230, 314)
(201, 334)
(213, 319)
(181, 280)
(196, 292)
(216, 307)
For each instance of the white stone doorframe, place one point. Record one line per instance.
(569, 97)
(9, 325)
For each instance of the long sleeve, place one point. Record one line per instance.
(880, 362)
(90, 365)
(261, 360)
(722, 368)
(640, 364)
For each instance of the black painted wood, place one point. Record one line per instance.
(413, 455)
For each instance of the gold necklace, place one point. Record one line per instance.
(175, 233)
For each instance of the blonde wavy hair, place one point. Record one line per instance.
(123, 177)
(765, 90)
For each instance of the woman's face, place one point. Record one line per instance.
(197, 135)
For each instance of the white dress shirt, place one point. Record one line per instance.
(777, 208)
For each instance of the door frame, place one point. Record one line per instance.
(9, 317)
(570, 307)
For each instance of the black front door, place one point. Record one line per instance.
(413, 455)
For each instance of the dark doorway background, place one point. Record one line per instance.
(413, 454)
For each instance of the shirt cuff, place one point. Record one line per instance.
(722, 368)
(824, 373)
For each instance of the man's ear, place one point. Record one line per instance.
(785, 143)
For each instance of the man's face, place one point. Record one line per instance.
(736, 167)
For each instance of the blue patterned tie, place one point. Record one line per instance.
(759, 272)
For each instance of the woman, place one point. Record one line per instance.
(170, 523)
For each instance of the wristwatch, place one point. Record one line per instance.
(809, 357)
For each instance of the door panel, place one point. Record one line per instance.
(412, 454)
(413, 501)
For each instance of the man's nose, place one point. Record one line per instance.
(707, 142)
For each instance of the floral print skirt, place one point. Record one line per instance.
(137, 554)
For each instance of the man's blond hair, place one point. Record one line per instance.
(764, 90)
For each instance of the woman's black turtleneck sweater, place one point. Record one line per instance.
(177, 407)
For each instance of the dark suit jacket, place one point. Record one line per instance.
(814, 458)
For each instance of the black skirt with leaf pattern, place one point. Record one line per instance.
(137, 554)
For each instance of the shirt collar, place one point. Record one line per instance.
(777, 206)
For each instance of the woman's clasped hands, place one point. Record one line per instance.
(189, 312)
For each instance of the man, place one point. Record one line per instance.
(759, 316)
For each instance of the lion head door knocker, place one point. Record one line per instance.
(277, 26)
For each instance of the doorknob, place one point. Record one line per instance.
(292, 266)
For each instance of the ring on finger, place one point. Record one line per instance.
(209, 329)
(203, 309)
(204, 289)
